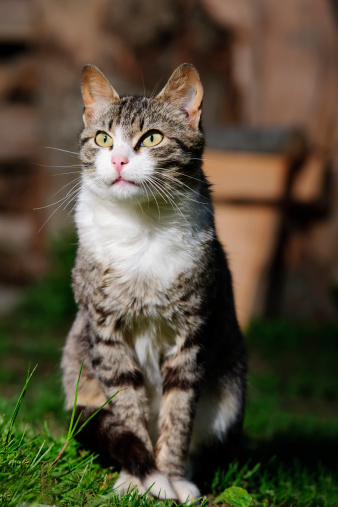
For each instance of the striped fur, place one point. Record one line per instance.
(156, 316)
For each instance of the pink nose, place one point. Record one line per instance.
(119, 161)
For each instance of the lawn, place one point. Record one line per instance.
(290, 451)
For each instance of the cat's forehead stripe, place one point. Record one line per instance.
(126, 112)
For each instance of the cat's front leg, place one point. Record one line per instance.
(181, 375)
(124, 430)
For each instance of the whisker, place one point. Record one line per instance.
(60, 149)
(157, 186)
(143, 186)
(152, 95)
(57, 166)
(56, 202)
(195, 158)
(184, 195)
(62, 174)
(171, 200)
(72, 209)
(172, 178)
(158, 208)
(50, 216)
(176, 172)
(66, 185)
(140, 206)
(73, 196)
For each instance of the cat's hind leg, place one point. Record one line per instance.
(76, 349)
(216, 438)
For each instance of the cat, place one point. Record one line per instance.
(156, 318)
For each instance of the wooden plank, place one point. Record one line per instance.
(246, 176)
(308, 184)
(248, 235)
(273, 140)
(19, 127)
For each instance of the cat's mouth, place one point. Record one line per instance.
(123, 181)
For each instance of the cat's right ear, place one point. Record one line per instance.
(96, 90)
(184, 89)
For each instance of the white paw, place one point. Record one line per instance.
(185, 490)
(126, 483)
(159, 485)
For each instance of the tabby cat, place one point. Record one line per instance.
(156, 318)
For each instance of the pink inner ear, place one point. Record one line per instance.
(192, 105)
(188, 99)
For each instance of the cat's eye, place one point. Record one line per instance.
(103, 140)
(151, 138)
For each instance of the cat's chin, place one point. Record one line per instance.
(124, 189)
(120, 191)
(125, 192)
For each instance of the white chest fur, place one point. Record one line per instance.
(137, 242)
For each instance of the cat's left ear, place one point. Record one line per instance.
(96, 90)
(185, 90)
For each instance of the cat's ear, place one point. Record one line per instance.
(96, 90)
(185, 90)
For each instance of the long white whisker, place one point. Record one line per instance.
(157, 186)
(144, 187)
(50, 216)
(172, 178)
(62, 174)
(60, 200)
(184, 194)
(186, 175)
(79, 178)
(60, 149)
(171, 200)
(140, 206)
(195, 158)
(69, 212)
(159, 213)
(57, 166)
(90, 185)
(71, 197)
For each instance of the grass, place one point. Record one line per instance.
(290, 452)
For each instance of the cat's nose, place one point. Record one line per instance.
(119, 161)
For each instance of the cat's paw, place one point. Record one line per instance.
(126, 483)
(155, 483)
(186, 490)
(160, 486)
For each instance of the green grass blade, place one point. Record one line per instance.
(38, 458)
(70, 430)
(93, 415)
(18, 404)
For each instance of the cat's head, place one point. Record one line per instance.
(136, 148)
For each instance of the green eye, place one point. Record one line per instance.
(103, 140)
(152, 138)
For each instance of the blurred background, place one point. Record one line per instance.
(269, 71)
(270, 75)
